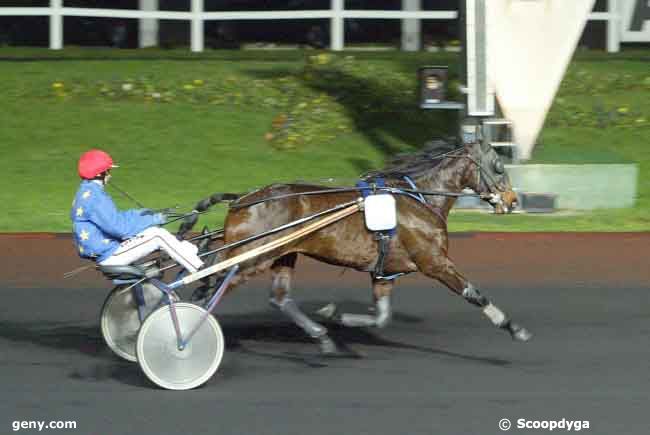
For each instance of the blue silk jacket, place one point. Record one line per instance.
(99, 227)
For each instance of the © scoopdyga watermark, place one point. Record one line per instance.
(43, 425)
(545, 425)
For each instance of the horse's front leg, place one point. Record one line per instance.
(382, 290)
(444, 270)
(280, 298)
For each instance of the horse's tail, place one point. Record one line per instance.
(203, 205)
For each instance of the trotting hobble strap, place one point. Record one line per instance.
(383, 240)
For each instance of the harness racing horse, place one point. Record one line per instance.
(420, 243)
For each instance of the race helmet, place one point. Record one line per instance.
(93, 163)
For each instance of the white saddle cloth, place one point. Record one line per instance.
(380, 212)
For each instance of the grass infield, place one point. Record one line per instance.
(183, 126)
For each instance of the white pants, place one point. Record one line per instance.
(151, 240)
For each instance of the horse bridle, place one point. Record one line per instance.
(493, 186)
(493, 197)
(495, 190)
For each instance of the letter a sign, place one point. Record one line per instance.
(635, 20)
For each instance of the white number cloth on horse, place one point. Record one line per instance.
(380, 213)
(153, 239)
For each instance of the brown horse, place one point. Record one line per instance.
(420, 243)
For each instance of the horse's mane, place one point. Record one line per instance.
(413, 164)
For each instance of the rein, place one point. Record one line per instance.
(481, 169)
(409, 192)
(126, 195)
(394, 190)
(280, 228)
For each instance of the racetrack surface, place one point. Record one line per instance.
(438, 368)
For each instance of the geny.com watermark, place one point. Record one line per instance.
(546, 425)
(41, 425)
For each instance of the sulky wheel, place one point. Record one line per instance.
(120, 319)
(159, 355)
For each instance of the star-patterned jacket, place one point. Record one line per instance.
(99, 227)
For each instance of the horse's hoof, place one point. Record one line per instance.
(327, 346)
(519, 333)
(327, 312)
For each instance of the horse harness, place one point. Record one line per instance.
(376, 185)
(384, 237)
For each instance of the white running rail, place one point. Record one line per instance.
(197, 16)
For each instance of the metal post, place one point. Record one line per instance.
(56, 24)
(197, 25)
(480, 96)
(614, 26)
(148, 27)
(411, 28)
(337, 36)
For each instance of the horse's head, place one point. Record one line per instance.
(489, 178)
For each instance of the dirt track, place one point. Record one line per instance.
(439, 368)
(487, 259)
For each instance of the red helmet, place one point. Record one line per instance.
(92, 163)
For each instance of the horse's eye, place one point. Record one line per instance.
(497, 164)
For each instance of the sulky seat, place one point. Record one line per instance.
(128, 272)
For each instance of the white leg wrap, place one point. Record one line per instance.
(495, 315)
(358, 320)
(381, 319)
(289, 307)
(383, 311)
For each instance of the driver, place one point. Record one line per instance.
(118, 238)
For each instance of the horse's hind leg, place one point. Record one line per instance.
(444, 270)
(381, 291)
(280, 298)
